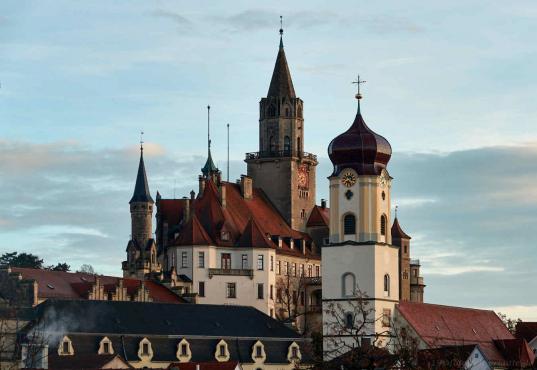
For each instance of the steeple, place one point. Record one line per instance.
(141, 189)
(281, 83)
(209, 166)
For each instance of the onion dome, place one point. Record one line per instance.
(359, 148)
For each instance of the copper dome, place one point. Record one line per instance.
(359, 148)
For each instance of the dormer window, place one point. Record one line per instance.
(222, 352)
(105, 347)
(258, 352)
(224, 235)
(66, 347)
(145, 350)
(293, 354)
(183, 351)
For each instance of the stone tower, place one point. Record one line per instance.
(281, 167)
(402, 240)
(141, 249)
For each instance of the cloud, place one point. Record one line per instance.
(177, 18)
(64, 201)
(525, 313)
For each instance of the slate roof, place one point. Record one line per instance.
(76, 285)
(229, 365)
(281, 84)
(439, 325)
(144, 318)
(141, 189)
(84, 361)
(397, 231)
(234, 218)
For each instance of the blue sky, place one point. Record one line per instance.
(451, 85)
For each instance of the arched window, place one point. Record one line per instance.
(299, 145)
(287, 112)
(287, 145)
(349, 224)
(349, 320)
(387, 285)
(349, 284)
(272, 144)
(383, 225)
(272, 111)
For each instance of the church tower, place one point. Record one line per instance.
(360, 261)
(141, 249)
(281, 167)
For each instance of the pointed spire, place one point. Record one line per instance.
(141, 189)
(209, 166)
(281, 83)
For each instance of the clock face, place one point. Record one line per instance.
(348, 179)
(302, 177)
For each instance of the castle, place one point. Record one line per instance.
(258, 241)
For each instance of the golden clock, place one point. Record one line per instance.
(348, 179)
(302, 177)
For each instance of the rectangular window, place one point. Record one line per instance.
(184, 256)
(286, 268)
(201, 259)
(145, 348)
(294, 297)
(226, 261)
(310, 269)
(201, 288)
(244, 261)
(106, 347)
(294, 269)
(260, 291)
(222, 350)
(278, 267)
(294, 352)
(231, 291)
(279, 295)
(317, 270)
(271, 292)
(271, 263)
(260, 262)
(183, 349)
(258, 352)
(301, 270)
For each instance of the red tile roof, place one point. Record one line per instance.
(397, 231)
(516, 351)
(76, 285)
(252, 236)
(439, 325)
(229, 365)
(319, 216)
(171, 210)
(236, 215)
(193, 233)
(526, 330)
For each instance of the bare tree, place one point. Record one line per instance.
(290, 297)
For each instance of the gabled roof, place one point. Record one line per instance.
(516, 351)
(319, 216)
(193, 233)
(439, 325)
(397, 231)
(252, 236)
(86, 361)
(141, 189)
(445, 356)
(281, 84)
(526, 330)
(161, 319)
(76, 285)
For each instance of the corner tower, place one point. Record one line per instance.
(281, 167)
(141, 249)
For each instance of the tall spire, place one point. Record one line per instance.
(281, 83)
(209, 166)
(141, 189)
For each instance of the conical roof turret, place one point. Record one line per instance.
(141, 189)
(281, 83)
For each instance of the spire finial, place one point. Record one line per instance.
(141, 141)
(281, 32)
(396, 208)
(209, 128)
(358, 96)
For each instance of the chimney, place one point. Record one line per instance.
(323, 203)
(186, 213)
(201, 180)
(192, 195)
(223, 197)
(246, 187)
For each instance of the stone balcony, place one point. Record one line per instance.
(231, 272)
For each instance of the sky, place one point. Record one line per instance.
(451, 85)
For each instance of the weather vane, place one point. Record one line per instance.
(281, 25)
(396, 208)
(141, 140)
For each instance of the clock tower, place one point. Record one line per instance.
(281, 167)
(360, 260)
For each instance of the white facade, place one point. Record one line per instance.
(360, 261)
(253, 272)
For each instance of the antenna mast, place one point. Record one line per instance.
(228, 152)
